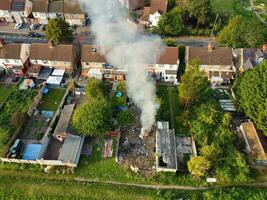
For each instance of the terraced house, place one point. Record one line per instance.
(216, 62)
(15, 10)
(94, 64)
(62, 56)
(14, 57)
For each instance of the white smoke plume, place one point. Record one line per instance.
(128, 48)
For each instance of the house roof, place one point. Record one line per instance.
(61, 52)
(166, 146)
(158, 6)
(257, 149)
(18, 5)
(71, 149)
(55, 7)
(136, 4)
(5, 5)
(10, 51)
(168, 56)
(70, 7)
(87, 54)
(217, 56)
(64, 120)
(145, 14)
(40, 6)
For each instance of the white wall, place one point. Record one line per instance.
(154, 19)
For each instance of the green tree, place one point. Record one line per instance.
(194, 85)
(251, 92)
(92, 118)
(198, 166)
(171, 23)
(238, 33)
(125, 118)
(58, 31)
(170, 42)
(95, 89)
(201, 10)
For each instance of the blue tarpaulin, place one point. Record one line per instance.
(32, 151)
(45, 90)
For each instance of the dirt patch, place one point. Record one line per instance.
(136, 153)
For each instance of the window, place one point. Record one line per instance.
(166, 77)
(45, 61)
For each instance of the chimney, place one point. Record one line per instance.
(210, 47)
(50, 44)
(264, 48)
(2, 43)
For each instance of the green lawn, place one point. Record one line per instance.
(50, 190)
(231, 7)
(51, 101)
(5, 91)
(97, 167)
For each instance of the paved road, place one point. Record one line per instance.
(21, 38)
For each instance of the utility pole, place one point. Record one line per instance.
(215, 21)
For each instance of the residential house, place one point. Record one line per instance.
(248, 58)
(20, 10)
(216, 62)
(61, 56)
(167, 64)
(151, 15)
(40, 11)
(73, 13)
(133, 4)
(94, 64)
(5, 15)
(69, 10)
(14, 57)
(256, 143)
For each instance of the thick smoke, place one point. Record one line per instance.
(127, 48)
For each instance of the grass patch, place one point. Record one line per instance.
(5, 91)
(38, 189)
(164, 110)
(232, 7)
(51, 101)
(96, 167)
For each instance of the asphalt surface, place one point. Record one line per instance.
(19, 38)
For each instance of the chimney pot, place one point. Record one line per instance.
(210, 47)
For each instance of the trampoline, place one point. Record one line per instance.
(119, 94)
(32, 151)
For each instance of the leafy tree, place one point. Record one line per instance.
(198, 166)
(251, 91)
(238, 33)
(18, 119)
(124, 118)
(58, 31)
(201, 10)
(92, 118)
(194, 85)
(171, 23)
(95, 89)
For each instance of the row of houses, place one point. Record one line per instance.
(40, 11)
(219, 63)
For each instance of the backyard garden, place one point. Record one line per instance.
(5, 91)
(17, 101)
(52, 99)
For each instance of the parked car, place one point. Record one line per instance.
(18, 25)
(33, 34)
(33, 26)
